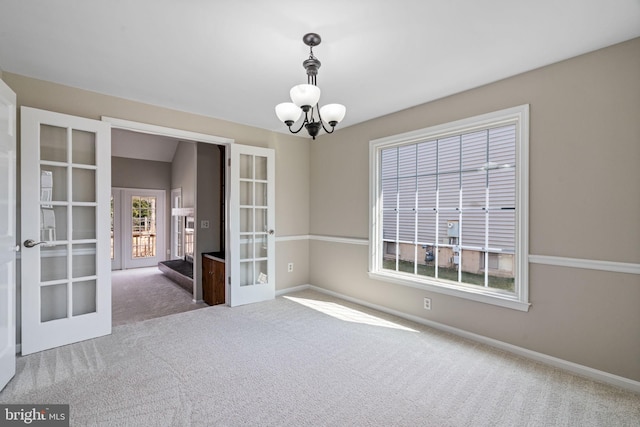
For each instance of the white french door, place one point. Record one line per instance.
(252, 221)
(7, 234)
(143, 228)
(65, 269)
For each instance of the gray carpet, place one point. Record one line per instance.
(306, 360)
(145, 293)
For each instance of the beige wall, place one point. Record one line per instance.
(584, 182)
(292, 155)
(584, 203)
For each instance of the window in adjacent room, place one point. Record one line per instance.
(449, 208)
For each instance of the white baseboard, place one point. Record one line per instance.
(581, 370)
(285, 291)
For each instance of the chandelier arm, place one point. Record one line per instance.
(325, 129)
(322, 123)
(304, 122)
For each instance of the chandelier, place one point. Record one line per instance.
(305, 99)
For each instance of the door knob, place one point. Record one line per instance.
(31, 243)
(271, 232)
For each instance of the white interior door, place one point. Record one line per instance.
(7, 234)
(251, 224)
(143, 227)
(65, 193)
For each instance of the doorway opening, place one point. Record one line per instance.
(137, 227)
(169, 162)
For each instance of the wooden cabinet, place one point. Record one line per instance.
(212, 281)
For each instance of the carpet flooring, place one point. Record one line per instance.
(145, 293)
(306, 359)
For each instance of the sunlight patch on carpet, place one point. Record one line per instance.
(347, 314)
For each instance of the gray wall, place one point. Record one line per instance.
(183, 176)
(584, 204)
(136, 173)
(145, 174)
(208, 199)
(183, 172)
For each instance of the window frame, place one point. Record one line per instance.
(519, 299)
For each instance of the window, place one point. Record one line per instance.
(143, 226)
(450, 209)
(177, 224)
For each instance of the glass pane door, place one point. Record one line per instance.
(65, 177)
(143, 230)
(67, 223)
(252, 225)
(254, 251)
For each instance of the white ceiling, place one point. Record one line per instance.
(235, 60)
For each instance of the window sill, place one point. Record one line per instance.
(485, 296)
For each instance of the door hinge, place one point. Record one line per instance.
(229, 162)
(229, 279)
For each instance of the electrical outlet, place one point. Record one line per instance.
(427, 303)
(204, 224)
(290, 267)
